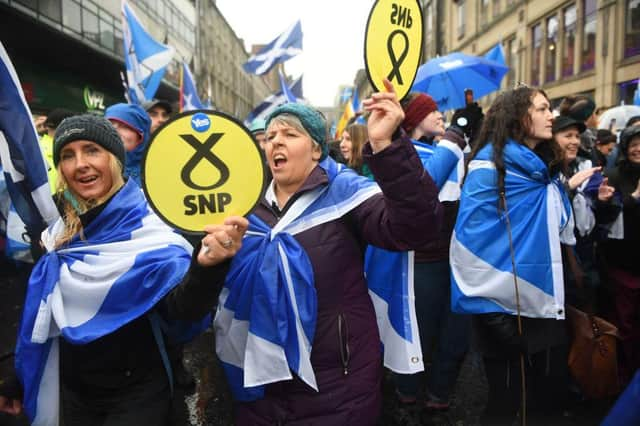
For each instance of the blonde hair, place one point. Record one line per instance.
(73, 206)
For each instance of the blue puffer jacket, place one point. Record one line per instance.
(135, 117)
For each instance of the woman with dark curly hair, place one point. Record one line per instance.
(506, 259)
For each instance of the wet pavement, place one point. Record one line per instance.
(209, 403)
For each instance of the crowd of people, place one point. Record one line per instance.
(506, 217)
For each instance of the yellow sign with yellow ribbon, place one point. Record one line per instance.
(393, 44)
(200, 168)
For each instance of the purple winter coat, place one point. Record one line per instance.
(346, 354)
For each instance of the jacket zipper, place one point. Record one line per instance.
(343, 336)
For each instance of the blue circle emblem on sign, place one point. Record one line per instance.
(200, 122)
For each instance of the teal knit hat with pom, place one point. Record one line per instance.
(311, 119)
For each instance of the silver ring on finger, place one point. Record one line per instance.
(227, 244)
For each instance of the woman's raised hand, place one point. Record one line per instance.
(222, 241)
(386, 115)
(581, 176)
(605, 192)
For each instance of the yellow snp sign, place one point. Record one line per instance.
(200, 168)
(393, 44)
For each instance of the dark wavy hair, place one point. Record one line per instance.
(509, 118)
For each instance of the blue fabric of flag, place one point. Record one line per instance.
(284, 87)
(272, 102)
(265, 326)
(23, 165)
(496, 54)
(189, 96)
(128, 261)
(626, 410)
(390, 273)
(540, 215)
(145, 58)
(355, 101)
(445, 164)
(284, 47)
(347, 93)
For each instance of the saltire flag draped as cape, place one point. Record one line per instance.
(539, 212)
(265, 326)
(145, 58)
(284, 47)
(23, 165)
(390, 273)
(189, 99)
(129, 261)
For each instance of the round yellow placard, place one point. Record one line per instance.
(393, 44)
(200, 168)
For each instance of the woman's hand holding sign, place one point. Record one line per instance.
(386, 116)
(222, 241)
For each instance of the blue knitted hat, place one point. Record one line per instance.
(311, 120)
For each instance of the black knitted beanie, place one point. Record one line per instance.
(88, 127)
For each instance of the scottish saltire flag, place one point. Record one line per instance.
(267, 106)
(347, 115)
(262, 343)
(346, 94)
(636, 95)
(355, 101)
(284, 47)
(496, 54)
(390, 281)
(390, 273)
(128, 262)
(189, 99)
(540, 216)
(445, 164)
(23, 165)
(145, 58)
(357, 108)
(284, 87)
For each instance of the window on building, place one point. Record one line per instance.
(72, 15)
(632, 29)
(589, 35)
(552, 49)
(483, 13)
(31, 4)
(119, 43)
(627, 91)
(511, 59)
(429, 49)
(461, 18)
(495, 10)
(106, 34)
(90, 25)
(52, 9)
(536, 37)
(568, 53)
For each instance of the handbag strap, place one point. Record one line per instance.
(523, 390)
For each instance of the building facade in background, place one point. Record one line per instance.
(564, 46)
(69, 53)
(218, 69)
